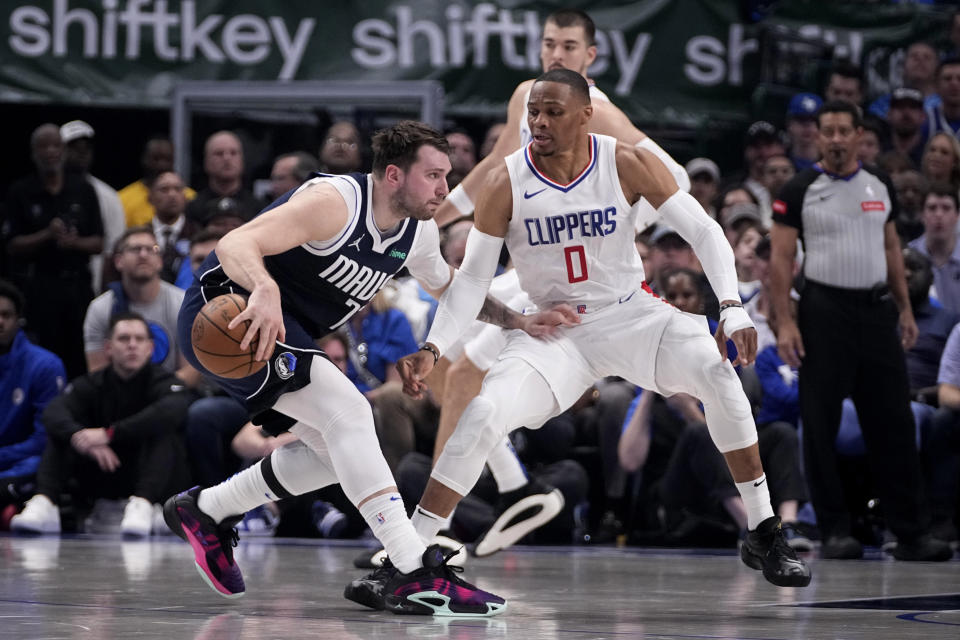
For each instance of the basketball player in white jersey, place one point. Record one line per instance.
(563, 204)
(568, 42)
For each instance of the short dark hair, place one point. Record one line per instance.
(306, 164)
(946, 62)
(841, 106)
(942, 189)
(570, 78)
(127, 315)
(132, 231)
(205, 235)
(575, 18)
(9, 290)
(400, 144)
(847, 70)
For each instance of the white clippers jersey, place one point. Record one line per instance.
(525, 136)
(573, 243)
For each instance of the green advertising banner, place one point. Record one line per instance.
(667, 61)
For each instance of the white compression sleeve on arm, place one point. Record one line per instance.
(460, 199)
(463, 299)
(674, 167)
(682, 212)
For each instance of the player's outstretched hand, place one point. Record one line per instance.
(745, 340)
(413, 369)
(546, 324)
(266, 319)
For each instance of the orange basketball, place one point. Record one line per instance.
(217, 347)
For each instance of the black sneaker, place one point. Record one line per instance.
(924, 549)
(368, 590)
(521, 511)
(841, 548)
(765, 549)
(212, 543)
(435, 589)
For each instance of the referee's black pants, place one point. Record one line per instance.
(853, 350)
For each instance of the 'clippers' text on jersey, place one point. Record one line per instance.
(567, 226)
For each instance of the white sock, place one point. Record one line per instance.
(448, 521)
(427, 524)
(506, 468)
(388, 520)
(236, 495)
(756, 498)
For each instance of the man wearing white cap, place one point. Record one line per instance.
(704, 183)
(77, 137)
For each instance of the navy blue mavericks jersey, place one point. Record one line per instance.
(323, 287)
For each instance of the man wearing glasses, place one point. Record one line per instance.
(138, 260)
(341, 152)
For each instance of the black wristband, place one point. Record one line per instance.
(730, 305)
(429, 347)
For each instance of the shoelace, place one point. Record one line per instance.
(451, 569)
(780, 544)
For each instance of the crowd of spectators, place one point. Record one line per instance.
(93, 279)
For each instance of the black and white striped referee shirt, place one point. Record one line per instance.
(840, 220)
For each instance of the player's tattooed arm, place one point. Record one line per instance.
(541, 324)
(495, 312)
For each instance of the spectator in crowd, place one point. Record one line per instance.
(170, 225)
(226, 214)
(939, 243)
(52, 227)
(114, 434)
(905, 118)
(942, 444)
(289, 171)
(77, 137)
(731, 195)
(140, 290)
(777, 171)
(704, 183)
(911, 188)
(156, 158)
(758, 307)
(853, 272)
(491, 137)
(463, 155)
(802, 129)
(762, 142)
(933, 328)
(945, 117)
(941, 159)
(454, 243)
(668, 251)
(870, 142)
(223, 164)
(744, 248)
(894, 162)
(845, 83)
(737, 218)
(919, 75)
(30, 377)
(378, 335)
(341, 151)
(201, 244)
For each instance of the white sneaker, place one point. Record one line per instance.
(137, 517)
(39, 515)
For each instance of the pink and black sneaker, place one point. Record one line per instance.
(435, 589)
(212, 543)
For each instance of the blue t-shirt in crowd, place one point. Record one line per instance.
(388, 337)
(934, 324)
(781, 388)
(30, 377)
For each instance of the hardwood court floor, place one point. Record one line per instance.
(104, 588)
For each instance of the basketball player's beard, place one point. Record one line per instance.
(402, 205)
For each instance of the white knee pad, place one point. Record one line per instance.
(465, 453)
(725, 405)
(299, 467)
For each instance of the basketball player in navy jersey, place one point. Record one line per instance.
(308, 262)
(563, 205)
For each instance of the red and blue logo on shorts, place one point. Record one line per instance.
(581, 308)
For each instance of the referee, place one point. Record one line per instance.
(846, 344)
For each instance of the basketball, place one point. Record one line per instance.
(217, 347)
